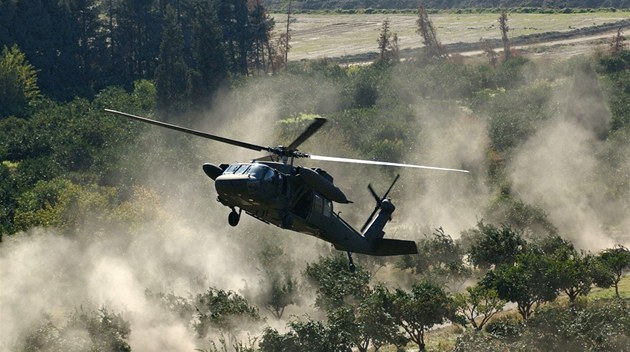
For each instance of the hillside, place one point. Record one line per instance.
(112, 237)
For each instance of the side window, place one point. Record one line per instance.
(327, 208)
(318, 204)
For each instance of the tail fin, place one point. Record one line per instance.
(373, 228)
(374, 231)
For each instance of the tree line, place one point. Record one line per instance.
(451, 4)
(80, 47)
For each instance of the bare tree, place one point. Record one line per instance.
(388, 43)
(618, 42)
(277, 52)
(432, 45)
(503, 26)
(488, 49)
(287, 38)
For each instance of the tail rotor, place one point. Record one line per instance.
(379, 202)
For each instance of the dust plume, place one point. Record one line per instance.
(181, 244)
(449, 137)
(561, 168)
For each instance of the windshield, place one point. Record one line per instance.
(257, 171)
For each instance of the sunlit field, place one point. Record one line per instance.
(333, 35)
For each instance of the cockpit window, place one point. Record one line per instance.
(231, 169)
(257, 171)
(270, 176)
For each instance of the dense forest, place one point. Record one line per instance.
(81, 47)
(444, 5)
(111, 238)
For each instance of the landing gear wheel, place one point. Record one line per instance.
(234, 218)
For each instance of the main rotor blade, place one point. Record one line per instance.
(383, 163)
(191, 131)
(310, 130)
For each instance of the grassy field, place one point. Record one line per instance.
(333, 35)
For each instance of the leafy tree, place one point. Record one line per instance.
(422, 308)
(604, 325)
(216, 309)
(528, 281)
(278, 286)
(45, 204)
(528, 219)
(377, 325)
(493, 246)
(335, 283)
(439, 258)
(281, 293)
(18, 83)
(221, 310)
(370, 322)
(8, 193)
(479, 304)
(570, 268)
(611, 264)
(101, 330)
(308, 336)
(514, 113)
(65, 205)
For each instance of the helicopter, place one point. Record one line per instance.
(274, 191)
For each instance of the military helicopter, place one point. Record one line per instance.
(273, 190)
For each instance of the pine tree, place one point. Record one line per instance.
(243, 35)
(172, 76)
(433, 47)
(136, 38)
(235, 18)
(209, 55)
(262, 25)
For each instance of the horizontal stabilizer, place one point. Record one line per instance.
(385, 247)
(395, 247)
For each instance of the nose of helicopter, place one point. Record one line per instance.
(239, 188)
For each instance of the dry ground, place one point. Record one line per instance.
(333, 36)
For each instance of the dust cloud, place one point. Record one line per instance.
(183, 245)
(450, 137)
(562, 168)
